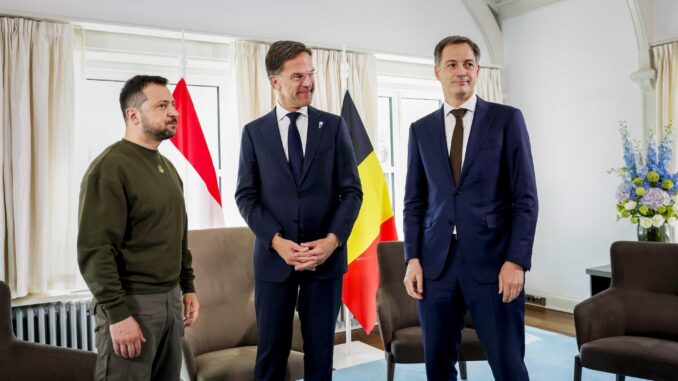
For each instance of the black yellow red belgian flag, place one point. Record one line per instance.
(375, 223)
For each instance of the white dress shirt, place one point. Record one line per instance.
(467, 121)
(284, 126)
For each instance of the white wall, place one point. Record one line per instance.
(567, 67)
(404, 27)
(665, 20)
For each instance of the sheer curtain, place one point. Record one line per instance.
(255, 96)
(666, 90)
(666, 86)
(36, 90)
(253, 91)
(489, 85)
(362, 84)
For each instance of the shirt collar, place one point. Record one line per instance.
(281, 113)
(470, 105)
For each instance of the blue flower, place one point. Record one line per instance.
(629, 151)
(623, 192)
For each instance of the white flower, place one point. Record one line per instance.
(630, 205)
(645, 222)
(672, 221)
(675, 198)
(657, 220)
(675, 207)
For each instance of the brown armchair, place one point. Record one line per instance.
(631, 329)
(222, 344)
(399, 320)
(20, 360)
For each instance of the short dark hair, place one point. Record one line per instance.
(282, 51)
(454, 40)
(132, 93)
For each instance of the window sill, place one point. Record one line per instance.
(51, 297)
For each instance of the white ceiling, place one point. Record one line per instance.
(404, 27)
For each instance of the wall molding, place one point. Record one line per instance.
(645, 75)
(489, 28)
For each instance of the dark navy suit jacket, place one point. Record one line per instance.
(327, 200)
(494, 207)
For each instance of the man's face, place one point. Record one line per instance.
(158, 114)
(295, 82)
(457, 72)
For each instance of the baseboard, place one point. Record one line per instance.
(556, 302)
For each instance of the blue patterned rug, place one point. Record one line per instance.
(549, 357)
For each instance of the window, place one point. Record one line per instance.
(111, 55)
(402, 100)
(385, 142)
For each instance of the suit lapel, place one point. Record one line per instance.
(272, 136)
(482, 123)
(313, 135)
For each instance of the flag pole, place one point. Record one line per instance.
(184, 60)
(343, 68)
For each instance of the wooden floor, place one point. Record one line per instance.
(537, 317)
(549, 320)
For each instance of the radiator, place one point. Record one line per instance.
(71, 325)
(65, 324)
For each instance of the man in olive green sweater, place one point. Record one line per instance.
(132, 248)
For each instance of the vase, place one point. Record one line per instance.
(654, 234)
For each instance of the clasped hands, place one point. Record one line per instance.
(306, 255)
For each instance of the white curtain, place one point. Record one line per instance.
(255, 96)
(36, 90)
(666, 90)
(253, 92)
(666, 86)
(362, 84)
(489, 85)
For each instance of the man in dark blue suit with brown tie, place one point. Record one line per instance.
(469, 219)
(299, 191)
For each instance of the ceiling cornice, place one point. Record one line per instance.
(506, 9)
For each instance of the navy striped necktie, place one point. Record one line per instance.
(295, 151)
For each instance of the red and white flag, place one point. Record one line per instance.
(195, 166)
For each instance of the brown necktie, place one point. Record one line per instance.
(457, 142)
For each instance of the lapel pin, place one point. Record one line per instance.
(320, 124)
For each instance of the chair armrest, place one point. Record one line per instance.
(297, 340)
(600, 316)
(188, 362)
(389, 317)
(21, 360)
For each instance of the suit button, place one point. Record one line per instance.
(451, 222)
(457, 193)
(295, 221)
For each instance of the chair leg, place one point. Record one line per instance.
(390, 368)
(462, 370)
(577, 368)
(621, 377)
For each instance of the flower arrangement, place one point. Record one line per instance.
(647, 195)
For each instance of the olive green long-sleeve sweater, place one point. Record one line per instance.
(132, 227)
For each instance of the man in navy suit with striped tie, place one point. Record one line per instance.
(299, 191)
(469, 220)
